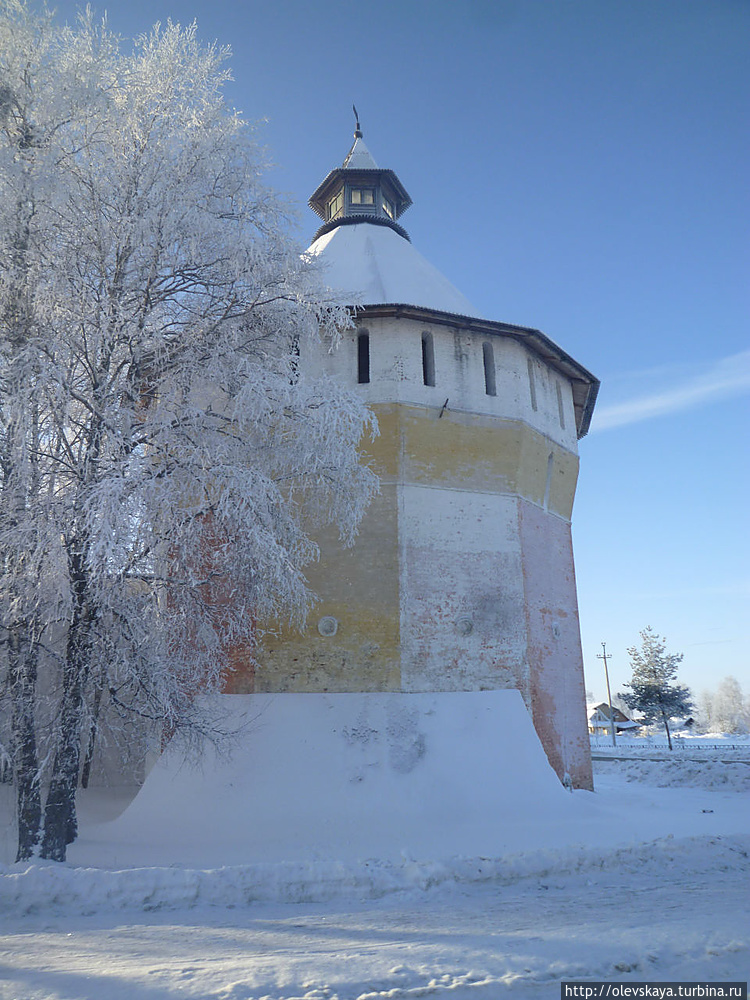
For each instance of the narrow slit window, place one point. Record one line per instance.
(488, 353)
(560, 407)
(532, 384)
(363, 358)
(428, 359)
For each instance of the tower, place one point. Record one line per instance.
(462, 577)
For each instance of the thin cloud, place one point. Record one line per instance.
(727, 377)
(732, 588)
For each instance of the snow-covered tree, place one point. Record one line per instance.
(164, 458)
(652, 691)
(725, 710)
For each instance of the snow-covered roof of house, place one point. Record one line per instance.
(373, 265)
(605, 725)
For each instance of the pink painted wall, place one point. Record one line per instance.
(558, 695)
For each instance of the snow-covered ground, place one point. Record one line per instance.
(646, 879)
(671, 911)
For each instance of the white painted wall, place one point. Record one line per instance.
(460, 556)
(396, 374)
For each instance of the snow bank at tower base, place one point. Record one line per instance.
(374, 797)
(346, 777)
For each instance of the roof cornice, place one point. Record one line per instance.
(355, 220)
(585, 385)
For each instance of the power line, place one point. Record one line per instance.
(604, 656)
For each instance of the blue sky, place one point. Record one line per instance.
(580, 166)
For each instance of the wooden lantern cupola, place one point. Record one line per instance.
(360, 191)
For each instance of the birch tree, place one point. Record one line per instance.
(726, 709)
(164, 455)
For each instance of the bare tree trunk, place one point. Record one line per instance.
(666, 726)
(93, 732)
(60, 820)
(20, 436)
(23, 673)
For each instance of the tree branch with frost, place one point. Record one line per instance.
(160, 307)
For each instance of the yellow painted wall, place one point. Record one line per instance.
(361, 587)
(472, 452)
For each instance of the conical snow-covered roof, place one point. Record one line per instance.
(373, 265)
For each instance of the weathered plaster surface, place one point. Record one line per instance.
(358, 587)
(472, 452)
(554, 643)
(462, 614)
(462, 576)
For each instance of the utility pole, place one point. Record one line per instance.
(603, 656)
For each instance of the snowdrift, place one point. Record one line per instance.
(47, 888)
(345, 777)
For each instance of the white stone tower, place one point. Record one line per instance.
(462, 577)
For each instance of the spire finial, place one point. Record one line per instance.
(357, 130)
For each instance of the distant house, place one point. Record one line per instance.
(599, 720)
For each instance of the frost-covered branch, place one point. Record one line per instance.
(162, 458)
